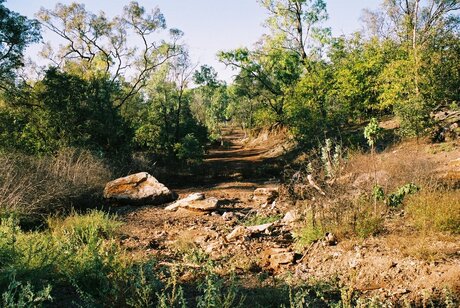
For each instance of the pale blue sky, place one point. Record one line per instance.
(212, 25)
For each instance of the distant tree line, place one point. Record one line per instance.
(104, 94)
(405, 63)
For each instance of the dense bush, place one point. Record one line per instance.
(189, 150)
(64, 110)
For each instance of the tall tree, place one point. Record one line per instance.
(102, 46)
(411, 21)
(16, 33)
(408, 82)
(296, 24)
(267, 74)
(210, 100)
(271, 71)
(165, 117)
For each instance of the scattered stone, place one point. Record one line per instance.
(228, 216)
(281, 258)
(138, 189)
(213, 249)
(239, 231)
(273, 258)
(195, 202)
(330, 239)
(206, 205)
(353, 263)
(336, 254)
(260, 228)
(401, 291)
(289, 217)
(201, 239)
(181, 202)
(447, 127)
(265, 195)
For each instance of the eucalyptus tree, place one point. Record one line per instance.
(414, 23)
(103, 46)
(165, 121)
(296, 25)
(427, 35)
(16, 33)
(411, 21)
(210, 100)
(267, 75)
(271, 71)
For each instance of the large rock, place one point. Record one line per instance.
(206, 205)
(138, 189)
(180, 203)
(274, 258)
(195, 202)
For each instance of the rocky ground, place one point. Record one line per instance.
(221, 223)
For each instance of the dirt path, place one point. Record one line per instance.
(236, 161)
(376, 266)
(230, 173)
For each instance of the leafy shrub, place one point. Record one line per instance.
(308, 232)
(144, 285)
(414, 116)
(78, 252)
(95, 264)
(332, 158)
(396, 198)
(24, 296)
(217, 294)
(372, 132)
(64, 110)
(315, 294)
(83, 229)
(189, 150)
(378, 193)
(172, 295)
(368, 225)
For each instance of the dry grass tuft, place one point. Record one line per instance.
(40, 185)
(428, 247)
(435, 211)
(404, 164)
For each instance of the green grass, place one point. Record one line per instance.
(79, 252)
(308, 233)
(260, 220)
(78, 259)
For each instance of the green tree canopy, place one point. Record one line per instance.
(16, 33)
